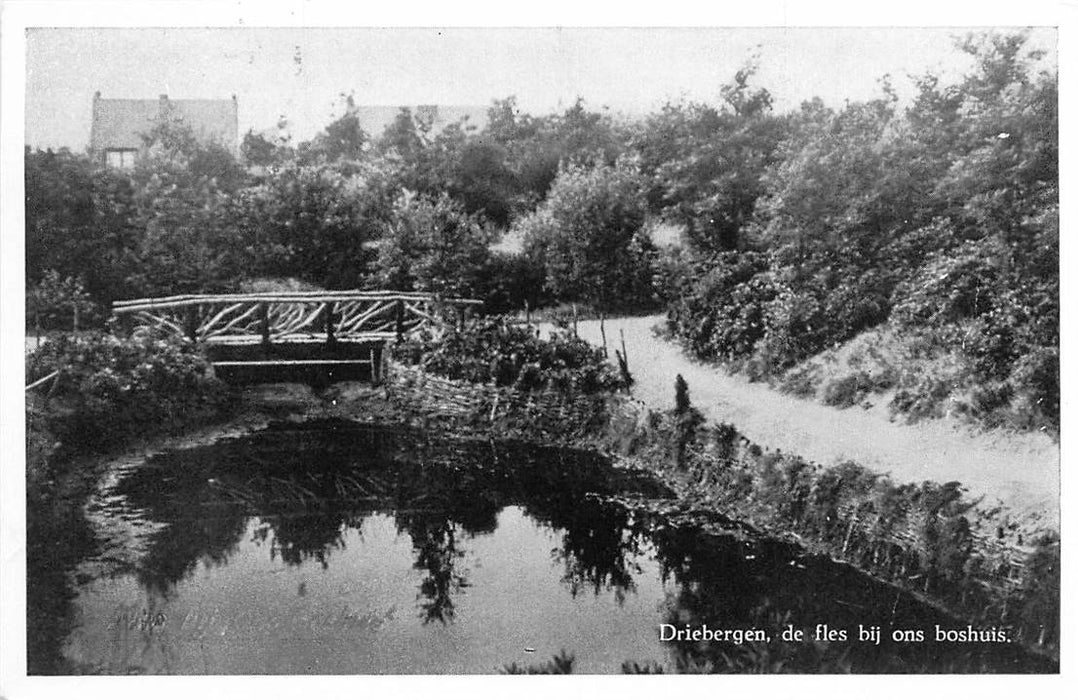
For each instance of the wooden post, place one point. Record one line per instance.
(190, 322)
(400, 320)
(574, 320)
(527, 312)
(264, 323)
(52, 388)
(623, 361)
(602, 331)
(328, 321)
(624, 352)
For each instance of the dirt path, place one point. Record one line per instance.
(1021, 470)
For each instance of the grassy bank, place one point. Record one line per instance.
(927, 538)
(919, 377)
(107, 390)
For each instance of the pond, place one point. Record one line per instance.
(342, 548)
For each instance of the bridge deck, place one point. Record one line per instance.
(322, 330)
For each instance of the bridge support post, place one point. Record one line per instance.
(190, 322)
(264, 323)
(329, 321)
(400, 320)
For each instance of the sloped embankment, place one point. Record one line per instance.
(927, 538)
(1017, 470)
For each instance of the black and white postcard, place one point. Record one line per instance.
(375, 349)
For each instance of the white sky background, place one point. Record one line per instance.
(301, 73)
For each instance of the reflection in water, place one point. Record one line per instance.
(599, 550)
(437, 555)
(297, 538)
(307, 488)
(291, 551)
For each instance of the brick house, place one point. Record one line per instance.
(118, 124)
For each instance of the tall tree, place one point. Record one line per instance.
(433, 245)
(314, 222)
(587, 234)
(706, 163)
(343, 139)
(80, 222)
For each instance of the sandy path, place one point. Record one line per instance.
(1021, 470)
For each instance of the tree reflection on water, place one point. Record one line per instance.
(435, 541)
(308, 486)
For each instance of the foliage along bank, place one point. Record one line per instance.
(929, 539)
(933, 222)
(108, 389)
(936, 224)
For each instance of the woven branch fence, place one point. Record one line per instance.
(545, 411)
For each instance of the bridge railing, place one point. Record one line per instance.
(275, 317)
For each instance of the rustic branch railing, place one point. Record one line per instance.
(286, 317)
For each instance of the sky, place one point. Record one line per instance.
(301, 73)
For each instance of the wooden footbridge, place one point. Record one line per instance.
(257, 336)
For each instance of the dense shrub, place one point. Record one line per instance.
(939, 219)
(432, 245)
(1039, 597)
(847, 391)
(718, 306)
(510, 281)
(490, 350)
(589, 236)
(57, 303)
(853, 388)
(79, 223)
(795, 328)
(1038, 371)
(109, 388)
(924, 399)
(951, 287)
(1006, 327)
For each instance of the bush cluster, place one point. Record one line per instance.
(110, 388)
(799, 229)
(939, 219)
(492, 350)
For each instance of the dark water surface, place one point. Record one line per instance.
(339, 548)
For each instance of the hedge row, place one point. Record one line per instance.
(109, 388)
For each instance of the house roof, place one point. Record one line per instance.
(120, 123)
